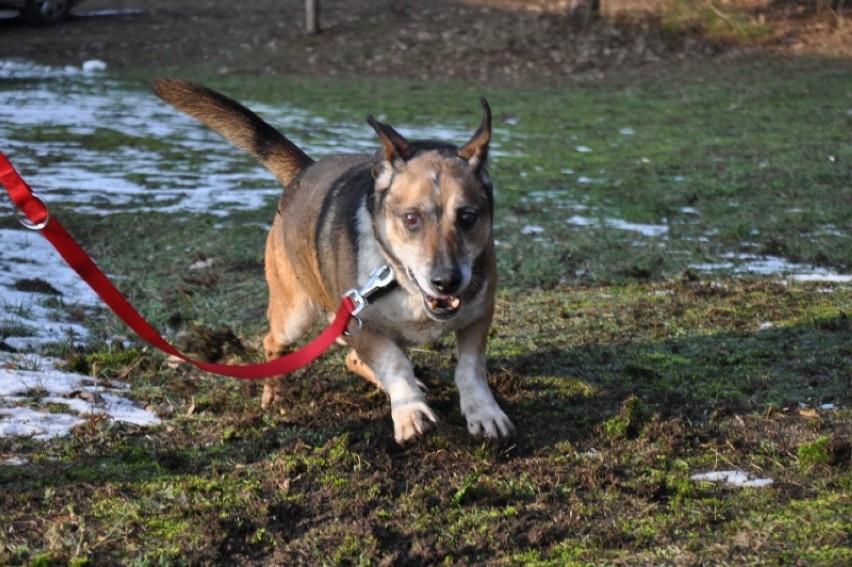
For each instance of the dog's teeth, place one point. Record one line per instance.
(441, 303)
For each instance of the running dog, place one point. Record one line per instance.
(423, 208)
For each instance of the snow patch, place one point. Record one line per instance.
(153, 157)
(37, 288)
(532, 229)
(94, 66)
(733, 478)
(650, 230)
(741, 263)
(25, 394)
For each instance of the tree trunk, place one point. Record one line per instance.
(312, 10)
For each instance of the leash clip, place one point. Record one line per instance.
(27, 223)
(380, 278)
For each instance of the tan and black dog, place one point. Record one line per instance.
(423, 208)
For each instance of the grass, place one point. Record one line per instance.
(756, 140)
(625, 368)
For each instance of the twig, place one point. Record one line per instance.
(725, 17)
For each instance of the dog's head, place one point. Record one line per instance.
(432, 208)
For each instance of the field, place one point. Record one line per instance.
(675, 300)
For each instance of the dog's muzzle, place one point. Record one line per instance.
(438, 307)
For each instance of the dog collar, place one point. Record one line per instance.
(380, 278)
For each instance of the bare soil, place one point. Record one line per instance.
(483, 40)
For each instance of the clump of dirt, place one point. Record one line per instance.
(213, 345)
(36, 285)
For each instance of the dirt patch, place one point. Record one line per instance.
(36, 285)
(502, 40)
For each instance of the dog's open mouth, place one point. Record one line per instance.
(439, 307)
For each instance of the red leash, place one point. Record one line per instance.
(34, 209)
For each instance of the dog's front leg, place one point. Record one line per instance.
(391, 367)
(484, 416)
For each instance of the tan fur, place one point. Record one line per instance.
(422, 208)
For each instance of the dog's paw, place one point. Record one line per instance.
(489, 422)
(270, 394)
(412, 419)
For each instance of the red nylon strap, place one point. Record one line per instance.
(77, 258)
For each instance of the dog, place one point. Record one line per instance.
(424, 208)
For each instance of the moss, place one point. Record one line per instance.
(629, 421)
(814, 453)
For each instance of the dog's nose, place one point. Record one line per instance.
(446, 281)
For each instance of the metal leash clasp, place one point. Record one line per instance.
(22, 218)
(380, 278)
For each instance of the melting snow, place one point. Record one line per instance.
(30, 381)
(733, 478)
(651, 230)
(80, 394)
(827, 277)
(94, 66)
(532, 229)
(153, 157)
(739, 263)
(28, 324)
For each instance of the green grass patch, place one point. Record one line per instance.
(626, 368)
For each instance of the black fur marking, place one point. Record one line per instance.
(339, 217)
(480, 276)
(489, 192)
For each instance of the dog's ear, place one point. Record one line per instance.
(394, 146)
(395, 150)
(475, 152)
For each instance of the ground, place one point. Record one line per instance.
(492, 40)
(650, 326)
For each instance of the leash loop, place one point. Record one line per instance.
(27, 223)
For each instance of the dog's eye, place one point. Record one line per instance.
(467, 218)
(411, 221)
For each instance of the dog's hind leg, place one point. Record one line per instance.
(291, 312)
(289, 318)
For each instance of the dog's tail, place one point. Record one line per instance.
(236, 123)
